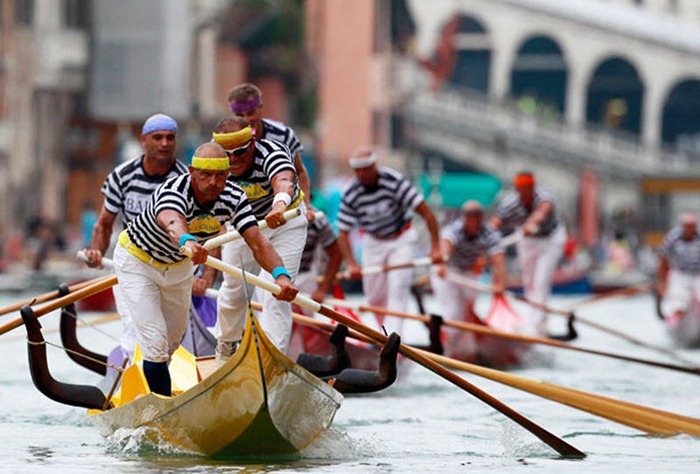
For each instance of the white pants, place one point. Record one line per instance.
(538, 258)
(156, 300)
(128, 337)
(307, 283)
(276, 318)
(390, 289)
(681, 290)
(454, 300)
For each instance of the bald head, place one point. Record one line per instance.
(210, 150)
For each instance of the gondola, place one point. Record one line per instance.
(258, 402)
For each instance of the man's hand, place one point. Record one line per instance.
(93, 258)
(530, 228)
(199, 286)
(354, 271)
(441, 270)
(319, 295)
(199, 253)
(275, 218)
(287, 291)
(436, 255)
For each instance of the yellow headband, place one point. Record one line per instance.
(218, 164)
(234, 139)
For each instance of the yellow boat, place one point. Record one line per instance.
(258, 402)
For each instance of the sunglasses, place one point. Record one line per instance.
(238, 151)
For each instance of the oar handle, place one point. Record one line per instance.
(301, 300)
(374, 269)
(513, 238)
(106, 262)
(234, 235)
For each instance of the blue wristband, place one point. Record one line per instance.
(277, 271)
(185, 237)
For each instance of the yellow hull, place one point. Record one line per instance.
(259, 402)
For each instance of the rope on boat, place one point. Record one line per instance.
(71, 351)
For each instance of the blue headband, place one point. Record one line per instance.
(159, 122)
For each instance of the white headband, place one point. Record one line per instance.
(362, 161)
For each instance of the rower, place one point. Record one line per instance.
(381, 202)
(679, 268)
(468, 244)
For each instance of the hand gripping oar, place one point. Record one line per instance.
(561, 446)
(465, 326)
(468, 282)
(233, 235)
(649, 420)
(102, 284)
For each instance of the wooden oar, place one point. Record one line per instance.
(101, 285)
(649, 420)
(233, 235)
(463, 325)
(468, 282)
(561, 446)
(626, 291)
(47, 296)
(373, 269)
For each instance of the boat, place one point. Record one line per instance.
(685, 331)
(259, 402)
(484, 349)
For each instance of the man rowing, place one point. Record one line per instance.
(127, 190)
(467, 244)
(265, 172)
(156, 278)
(679, 268)
(533, 211)
(245, 100)
(381, 202)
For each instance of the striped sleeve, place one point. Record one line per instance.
(407, 194)
(347, 216)
(492, 240)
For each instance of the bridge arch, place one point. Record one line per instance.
(540, 70)
(681, 117)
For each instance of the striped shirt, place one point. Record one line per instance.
(281, 133)
(682, 255)
(270, 158)
(382, 210)
(466, 249)
(318, 232)
(203, 222)
(128, 188)
(513, 214)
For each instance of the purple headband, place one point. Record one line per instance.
(241, 106)
(159, 122)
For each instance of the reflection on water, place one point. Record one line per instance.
(39, 454)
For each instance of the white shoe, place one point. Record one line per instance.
(224, 351)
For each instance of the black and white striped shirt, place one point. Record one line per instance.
(128, 188)
(513, 214)
(466, 249)
(318, 232)
(682, 255)
(270, 158)
(202, 222)
(279, 132)
(382, 210)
